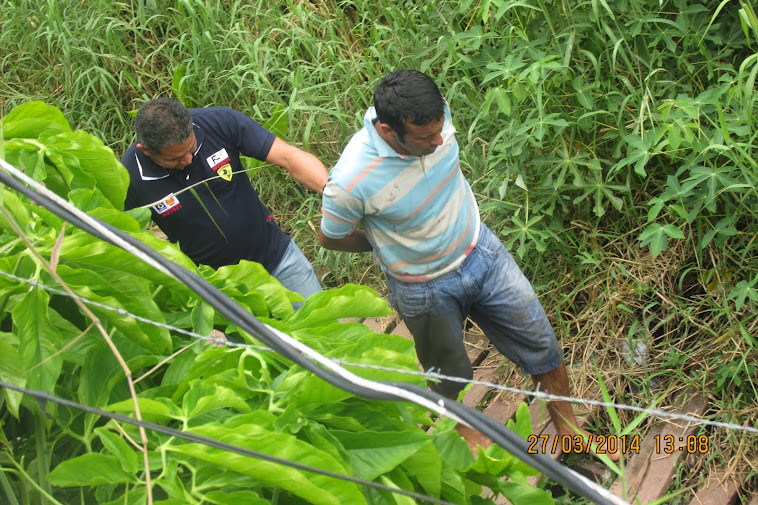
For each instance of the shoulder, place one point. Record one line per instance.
(358, 154)
(217, 115)
(129, 159)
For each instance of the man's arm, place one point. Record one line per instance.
(304, 167)
(355, 242)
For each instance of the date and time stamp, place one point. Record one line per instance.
(610, 444)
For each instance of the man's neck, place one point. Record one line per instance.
(390, 139)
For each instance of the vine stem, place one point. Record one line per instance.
(34, 484)
(96, 322)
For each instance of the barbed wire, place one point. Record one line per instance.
(428, 374)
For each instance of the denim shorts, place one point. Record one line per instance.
(491, 289)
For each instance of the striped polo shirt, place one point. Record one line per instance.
(419, 213)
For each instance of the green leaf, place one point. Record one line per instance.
(425, 465)
(351, 300)
(397, 499)
(17, 209)
(493, 461)
(316, 489)
(524, 493)
(178, 83)
(743, 291)
(97, 382)
(656, 236)
(250, 278)
(503, 102)
(117, 446)
(278, 122)
(235, 498)
(673, 232)
(90, 470)
(11, 371)
(160, 409)
(33, 119)
(203, 397)
(312, 389)
(372, 454)
(94, 164)
(202, 318)
(130, 293)
(93, 199)
(39, 340)
(523, 421)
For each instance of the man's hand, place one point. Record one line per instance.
(355, 242)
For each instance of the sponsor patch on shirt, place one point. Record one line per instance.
(225, 172)
(219, 163)
(168, 206)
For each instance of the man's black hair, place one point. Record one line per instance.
(407, 96)
(161, 123)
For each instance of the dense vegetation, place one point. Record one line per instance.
(612, 145)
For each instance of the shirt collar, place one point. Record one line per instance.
(383, 149)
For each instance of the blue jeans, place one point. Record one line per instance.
(490, 288)
(295, 273)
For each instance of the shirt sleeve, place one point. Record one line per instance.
(251, 138)
(341, 212)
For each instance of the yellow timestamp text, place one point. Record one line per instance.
(690, 444)
(578, 444)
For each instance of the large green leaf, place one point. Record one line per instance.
(90, 470)
(426, 466)
(314, 488)
(132, 496)
(16, 208)
(375, 453)
(32, 119)
(160, 409)
(117, 446)
(11, 370)
(97, 382)
(351, 300)
(454, 450)
(313, 390)
(90, 162)
(523, 493)
(203, 397)
(88, 200)
(250, 276)
(39, 341)
(83, 251)
(129, 293)
(234, 498)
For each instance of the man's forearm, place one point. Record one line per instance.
(355, 242)
(307, 169)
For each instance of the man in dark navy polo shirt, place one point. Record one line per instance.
(220, 220)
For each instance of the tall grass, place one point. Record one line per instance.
(612, 145)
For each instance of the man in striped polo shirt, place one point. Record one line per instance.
(399, 178)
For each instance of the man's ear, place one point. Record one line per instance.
(386, 130)
(142, 149)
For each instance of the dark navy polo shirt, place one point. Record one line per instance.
(221, 220)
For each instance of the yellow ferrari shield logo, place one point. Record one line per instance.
(225, 172)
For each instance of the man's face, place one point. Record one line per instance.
(420, 140)
(175, 157)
